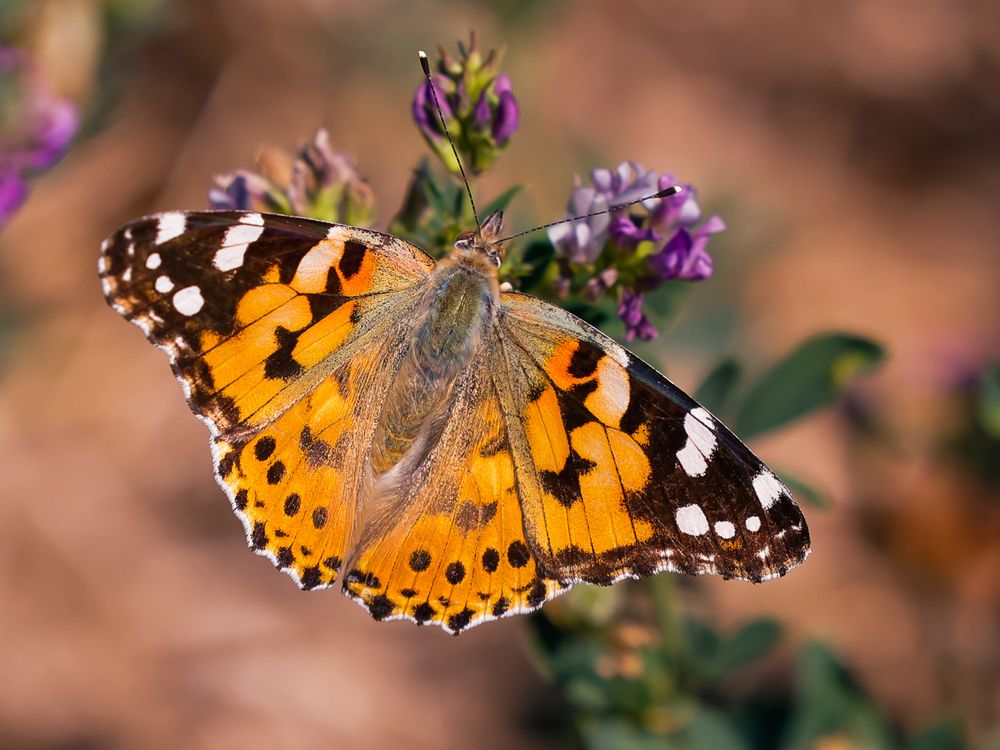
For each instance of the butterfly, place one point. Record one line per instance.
(443, 450)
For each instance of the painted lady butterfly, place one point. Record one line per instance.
(446, 451)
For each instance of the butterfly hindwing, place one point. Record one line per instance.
(621, 473)
(455, 553)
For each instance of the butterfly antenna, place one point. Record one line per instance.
(444, 126)
(672, 190)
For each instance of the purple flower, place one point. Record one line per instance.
(684, 256)
(583, 240)
(637, 324)
(478, 104)
(508, 114)
(35, 128)
(424, 112)
(622, 250)
(679, 209)
(626, 233)
(246, 191)
(318, 182)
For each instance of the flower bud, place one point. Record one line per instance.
(477, 103)
(318, 182)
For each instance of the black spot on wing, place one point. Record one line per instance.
(423, 612)
(455, 572)
(491, 560)
(292, 504)
(518, 554)
(317, 452)
(380, 607)
(275, 472)
(584, 361)
(458, 622)
(280, 364)
(319, 517)
(264, 447)
(564, 485)
(420, 560)
(258, 537)
(354, 255)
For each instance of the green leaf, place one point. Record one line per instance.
(501, 202)
(749, 643)
(663, 304)
(989, 401)
(605, 734)
(809, 378)
(531, 264)
(946, 735)
(830, 705)
(712, 730)
(802, 490)
(717, 388)
(702, 639)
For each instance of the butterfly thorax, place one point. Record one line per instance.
(446, 330)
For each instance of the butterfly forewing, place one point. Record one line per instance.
(247, 305)
(622, 474)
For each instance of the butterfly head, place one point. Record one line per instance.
(483, 241)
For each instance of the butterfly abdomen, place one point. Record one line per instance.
(446, 332)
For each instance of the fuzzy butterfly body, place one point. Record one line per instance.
(443, 451)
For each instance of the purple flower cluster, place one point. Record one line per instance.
(35, 128)
(478, 104)
(633, 250)
(318, 182)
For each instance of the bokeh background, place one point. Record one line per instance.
(853, 149)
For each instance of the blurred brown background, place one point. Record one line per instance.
(852, 149)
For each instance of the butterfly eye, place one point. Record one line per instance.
(465, 241)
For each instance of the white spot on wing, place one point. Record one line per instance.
(753, 523)
(691, 460)
(153, 261)
(163, 284)
(170, 225)
(252, 218)
(234, 245)
(725, 529)
(700, 444)
(768, 488)
(691, 520)
(188, 300)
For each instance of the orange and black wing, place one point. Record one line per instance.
(282, 332)
(620, 473)
(453, 553)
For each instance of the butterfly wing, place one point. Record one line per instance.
(283, 332)
(620, 473)
(454, 552)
